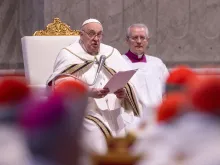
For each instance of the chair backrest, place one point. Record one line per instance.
(40, 51)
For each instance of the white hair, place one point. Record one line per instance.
(139, 25)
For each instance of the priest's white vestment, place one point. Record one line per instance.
(151, 76)
(116, 114)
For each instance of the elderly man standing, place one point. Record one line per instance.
(152, 71)
(108, 114)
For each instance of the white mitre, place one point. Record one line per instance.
(91, 20)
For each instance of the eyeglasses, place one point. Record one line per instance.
(136, 38)
(92, 34)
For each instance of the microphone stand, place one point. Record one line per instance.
(100, 65)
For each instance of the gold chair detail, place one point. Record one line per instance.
(118, 152)
(42, 48)
(57, 28)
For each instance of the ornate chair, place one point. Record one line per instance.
(41, 49)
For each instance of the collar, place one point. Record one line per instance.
(136, 58)
(77, 49)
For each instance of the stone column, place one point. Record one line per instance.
(9, 44)
(18, 18)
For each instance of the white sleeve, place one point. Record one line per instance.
(63, 61)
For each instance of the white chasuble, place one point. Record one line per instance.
(151, 76)
(110, 109)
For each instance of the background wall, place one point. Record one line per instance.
(182, 31)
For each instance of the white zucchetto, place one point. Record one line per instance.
(91, 20)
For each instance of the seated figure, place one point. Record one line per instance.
(108, 114)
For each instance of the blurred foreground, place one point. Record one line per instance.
(44, 127)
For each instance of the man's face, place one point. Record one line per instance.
(138, 40)
(91, 36)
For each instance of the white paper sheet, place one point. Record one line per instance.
(119, 80)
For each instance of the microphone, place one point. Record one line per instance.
(101, 63)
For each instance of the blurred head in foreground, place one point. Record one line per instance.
(14, 149)
(14, 92)
(171, 107)
(53, 126)
(205, 95)
(178, 79)
(188, 127)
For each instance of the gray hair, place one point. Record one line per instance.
(139, 25)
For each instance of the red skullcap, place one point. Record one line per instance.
(205, 95)
(170, 106)
(13, 90)
(69, 85)
(180, 75)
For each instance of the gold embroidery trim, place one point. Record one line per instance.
(111, 53)
(101, 125)
(75, 55)
(130, 94)
(76, 67)
(73, 69)
(132, 99)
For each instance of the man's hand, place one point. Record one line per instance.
(98, 92)
(121, 93)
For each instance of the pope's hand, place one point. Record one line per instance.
(98, 92)
(120, 93)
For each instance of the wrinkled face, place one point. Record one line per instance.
(91, 36)
(138, 40)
